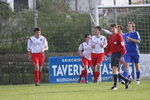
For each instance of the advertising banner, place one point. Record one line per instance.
(67, 70)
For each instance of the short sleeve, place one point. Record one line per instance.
(80, 47)
(137, 36)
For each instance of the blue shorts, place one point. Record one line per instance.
(132, 58)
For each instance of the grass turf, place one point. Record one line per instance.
(75, 91)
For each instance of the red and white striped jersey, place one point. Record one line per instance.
(86, 48)
(97, 42)
(36, 45)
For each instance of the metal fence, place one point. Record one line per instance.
(63, 28)
(139, 15)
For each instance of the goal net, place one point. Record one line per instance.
(122, 14)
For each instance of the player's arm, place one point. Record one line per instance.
(123, 49)
(29, 48)
(106, 31)
(80, 50)
(122, 44)
(45, 43)
(133, 40)
(105, 42)
(136, 38)
(107, 52)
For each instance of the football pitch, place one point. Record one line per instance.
(75, 91)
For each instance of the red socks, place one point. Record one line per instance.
(40, 76)
(96, 75)
(85, 74)
(37, 76)
(82, 73)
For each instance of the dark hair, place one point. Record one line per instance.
(113, 25)
(98, 27)
(119, 26)
(86, 35)
(37, 29)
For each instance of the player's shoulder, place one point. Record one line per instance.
(136, 32)
(102, 36)
(42, 36)
(82, 43)
(111, 35)
(31, 37)
(126, 33)
(122, 34)
(93, 36)
(119, 34)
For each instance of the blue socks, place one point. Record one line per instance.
(138, 75)
(126, 73)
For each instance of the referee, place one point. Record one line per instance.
(117, 49)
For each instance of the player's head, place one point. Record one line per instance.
(120, 28)
(87, 37)
(131, 26)
(114, 28)
(98, 30)
(37, 31)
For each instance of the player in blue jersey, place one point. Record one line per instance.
(132, 39)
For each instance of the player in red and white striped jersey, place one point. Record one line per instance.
(36, 46)
(98, 43)
(85, 52)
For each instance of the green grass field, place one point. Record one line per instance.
(75, 91)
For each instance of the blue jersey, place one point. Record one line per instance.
(132, 47)
(123, 35)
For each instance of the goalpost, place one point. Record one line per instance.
(116, 7)
(122, 14)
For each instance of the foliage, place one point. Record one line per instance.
(63, 28)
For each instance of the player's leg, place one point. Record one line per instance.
(115, 64)
(40, 73)
(138, 73)
(121, 63)
(83, 72)
(41, 63)
(94, 64)
(99, 63)
(127, 70)
(119, 71)
(36, 71)
(114, 71)
(81, 75)
(86, 74)
(115, 76)
(136, 59)
(128, 60)
(36, 74)
(95, 73)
